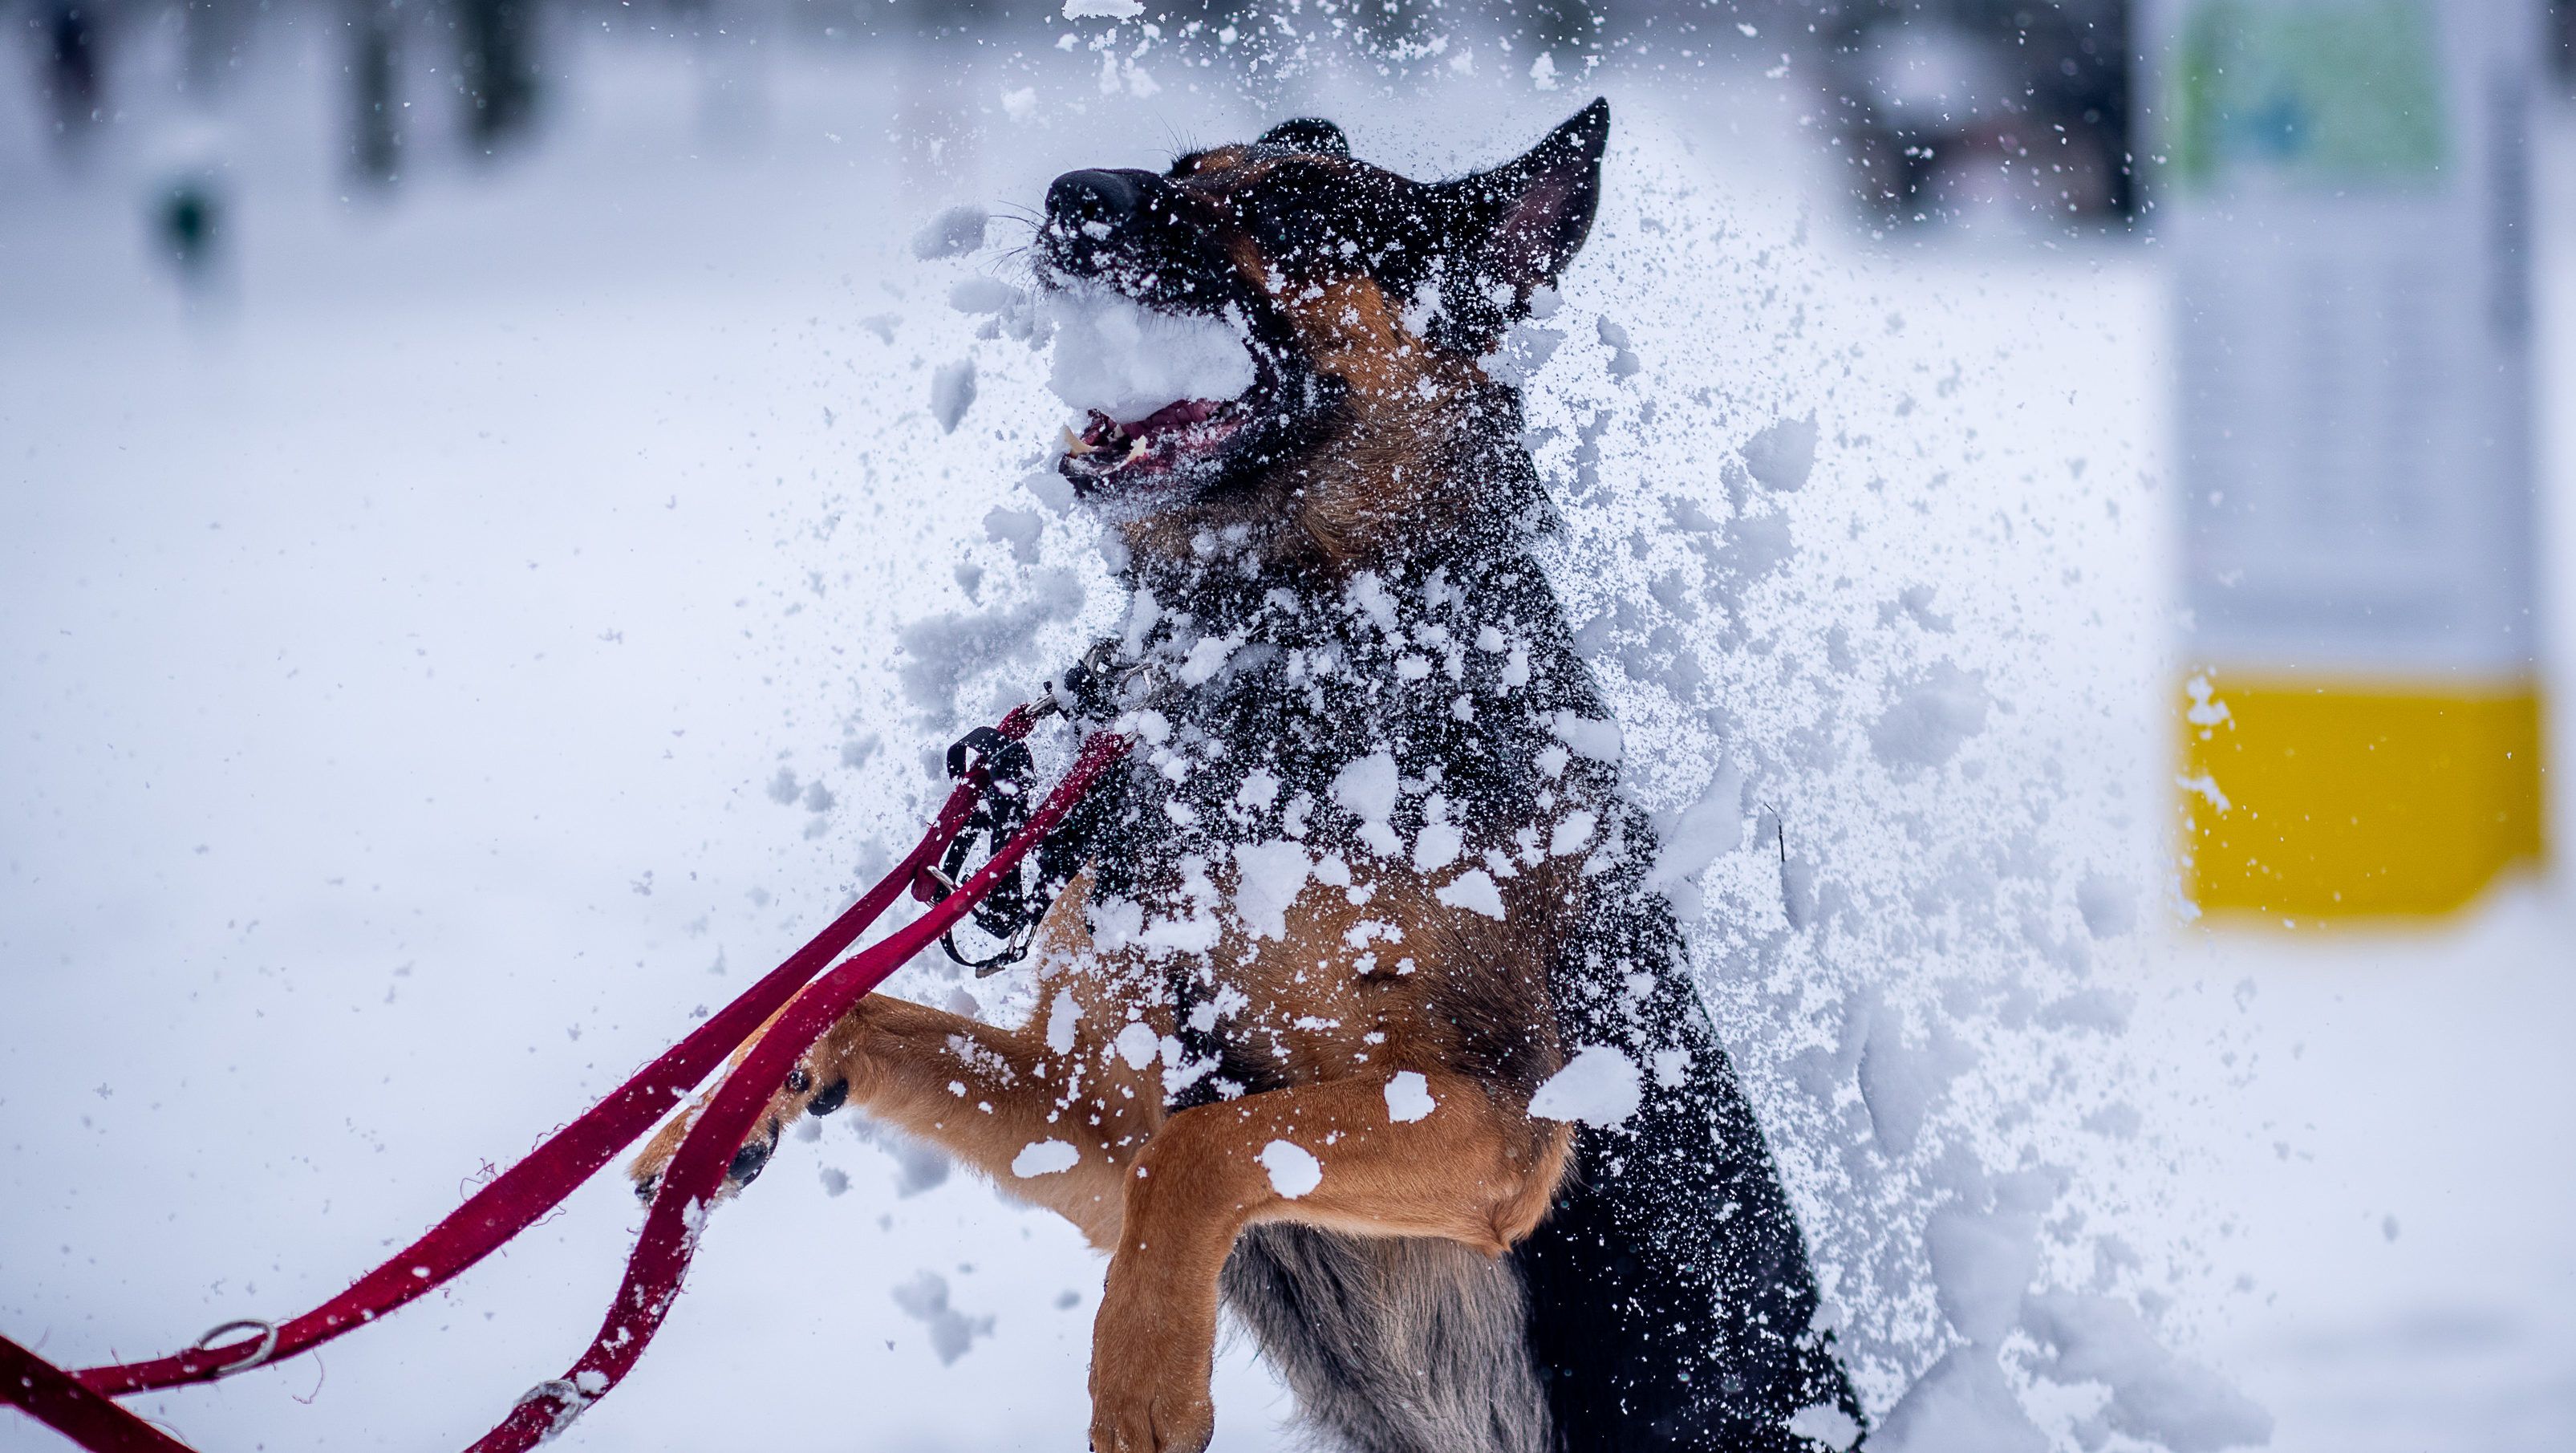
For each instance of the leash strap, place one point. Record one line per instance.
(56, 1398)
(76, 1403)
(696, 1173)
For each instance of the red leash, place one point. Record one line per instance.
(77, 1406)
(56, 1398)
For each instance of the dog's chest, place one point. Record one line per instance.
(1345, 849)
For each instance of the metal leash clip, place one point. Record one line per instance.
(1002, 765)
(1001, 810)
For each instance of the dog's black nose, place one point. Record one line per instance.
(1092, 202)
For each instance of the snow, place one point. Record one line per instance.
(1138, 1044)
(955, 232)
(461, 605)
(1783, 453)
(2155, 1396)
(1961, 1404)
(1436, 846)
(1600, 740)
(1672, 1067)
(1826, 1424)
(1982, 1263)
(1046, 1157)
(941, 652)
(1294, 1171)
(1899, 1082)
(1269, 876)
(1473, 890)
(1114, 355)
(1408, 1097)
(1932, 716)
(1367, 787)
(2109, 908)
(1599, 1086)
(1063, 1022)
(952, 392)
(952, 1332)
(1711, 825)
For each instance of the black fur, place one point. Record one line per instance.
(1669, 1299)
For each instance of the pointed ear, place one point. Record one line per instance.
(1527, 218)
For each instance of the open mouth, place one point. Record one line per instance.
(1176, 439)
(1161, 394)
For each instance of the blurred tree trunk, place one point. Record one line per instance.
(68, 43)
(496, 57)
(375, 89)
(210, 34)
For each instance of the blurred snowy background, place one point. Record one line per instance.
(466, 470)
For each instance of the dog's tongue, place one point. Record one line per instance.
(1178, 415)
(1174, 416)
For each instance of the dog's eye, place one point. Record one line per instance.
(1299, 223)
(1290, 229)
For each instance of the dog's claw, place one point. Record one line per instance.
(748, 1163)
(832, 1097)
(645, 1186)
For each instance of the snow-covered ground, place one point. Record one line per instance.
(460, 644)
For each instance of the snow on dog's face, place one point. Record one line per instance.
(1275, 348)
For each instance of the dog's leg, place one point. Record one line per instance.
(984, 1095)
(1472, 1170)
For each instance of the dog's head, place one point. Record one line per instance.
(1366, 300)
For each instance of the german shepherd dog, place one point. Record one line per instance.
(1368, 883)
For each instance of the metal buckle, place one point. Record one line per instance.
(569, 1400)
(263, 1348)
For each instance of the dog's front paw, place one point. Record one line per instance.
(1140, 1404)
(1172, 1422)
(799, 1096)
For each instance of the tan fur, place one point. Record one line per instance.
(1167, 1194)
(1378, 483)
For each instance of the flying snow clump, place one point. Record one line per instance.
(1826, 1424)
(1367, 787)
(1711, 826)
(1044, 1158)
(1114, 355)
(1474, 891)
(1783, 455)
(953, 233)
(1293, 1170)
(1932, 717)
(1138, 1044)
(952, 391)
(1408, 1097)
(1268, 878)
(1599, 1087)
(925, 1300)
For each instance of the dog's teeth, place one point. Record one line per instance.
(1073, 444)
(1135, 450)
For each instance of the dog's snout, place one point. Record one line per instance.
(1090, 201)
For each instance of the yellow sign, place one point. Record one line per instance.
(2337, 799)
(2349, 227)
